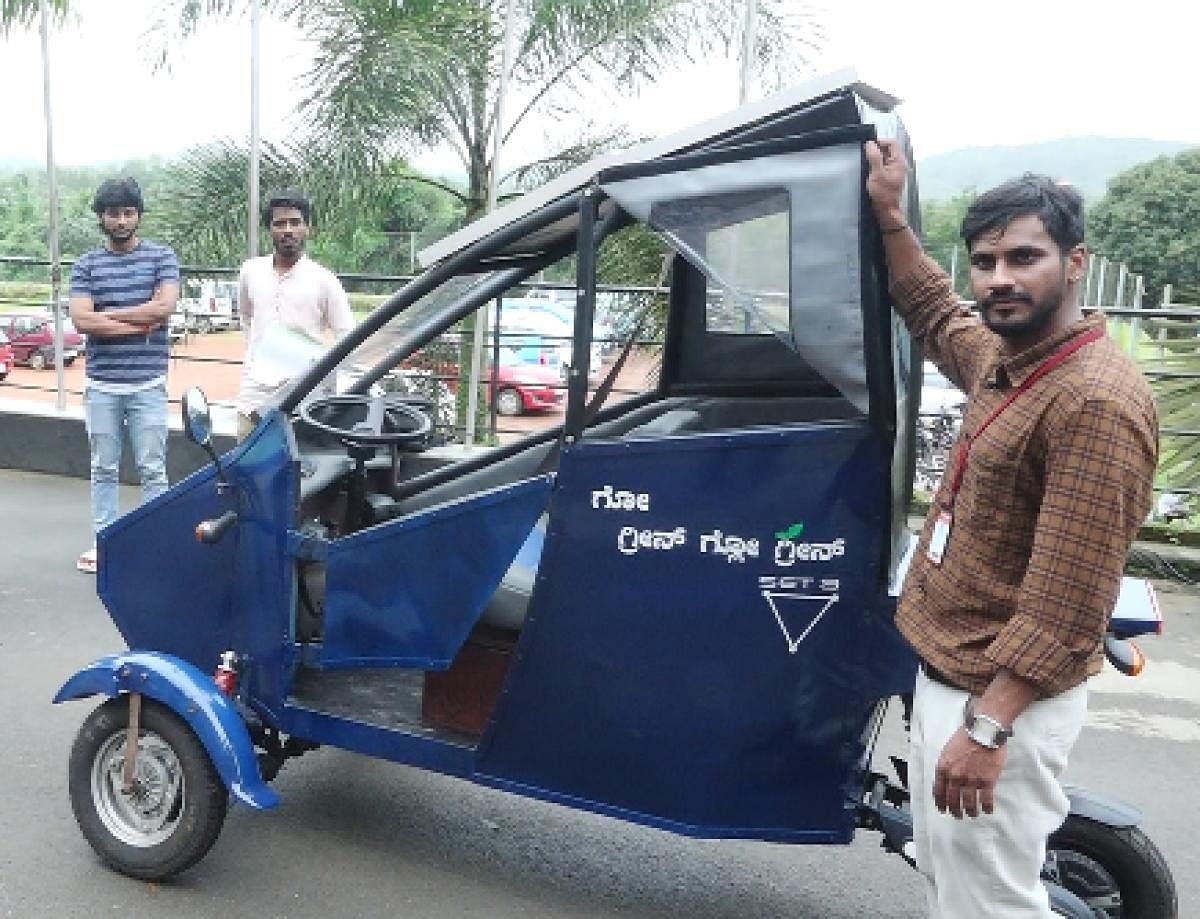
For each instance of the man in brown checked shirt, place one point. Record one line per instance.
(1019, 564)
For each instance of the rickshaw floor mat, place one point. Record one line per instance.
(385, 697)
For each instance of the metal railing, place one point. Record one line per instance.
(1173, 328)
(433, 368)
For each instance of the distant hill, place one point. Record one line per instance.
(1086, 162)
(16, 165)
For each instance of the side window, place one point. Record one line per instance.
(781, 229)
(748, 278)
(631, 311)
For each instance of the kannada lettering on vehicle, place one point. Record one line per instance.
(733, 548)
(609, 498)
(631, 540)
(787, 552)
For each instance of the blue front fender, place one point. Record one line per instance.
(195, 698)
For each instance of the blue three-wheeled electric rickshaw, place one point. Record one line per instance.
(674, 608)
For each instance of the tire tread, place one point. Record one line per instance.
(1147, 886)
(207, 795)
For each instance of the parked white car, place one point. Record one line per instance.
(541, 334)
(939, 395)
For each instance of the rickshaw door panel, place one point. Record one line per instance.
(406, 593)
(695, 656)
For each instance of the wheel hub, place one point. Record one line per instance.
(1087, 879)
(148, 811)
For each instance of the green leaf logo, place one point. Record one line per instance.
(791, 532)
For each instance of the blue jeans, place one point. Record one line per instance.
(145, 415)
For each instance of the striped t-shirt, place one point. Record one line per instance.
(114, 279)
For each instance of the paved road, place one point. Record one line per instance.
(357, 837)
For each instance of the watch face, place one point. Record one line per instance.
(988, 732)
(983, 729)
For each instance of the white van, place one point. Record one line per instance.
(209, 305)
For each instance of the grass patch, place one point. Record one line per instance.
(22, 296)
(362, 304)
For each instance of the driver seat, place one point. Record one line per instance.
(507, 606)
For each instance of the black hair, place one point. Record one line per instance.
(1058, 205)
(288, 198)
(118, 193)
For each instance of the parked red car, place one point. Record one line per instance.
(6, 356)
(32, 338)
(522, 387)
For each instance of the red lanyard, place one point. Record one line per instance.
(964, 447)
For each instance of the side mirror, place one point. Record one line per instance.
(197, 425)
(197, 420)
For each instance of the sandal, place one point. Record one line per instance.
(87, 561)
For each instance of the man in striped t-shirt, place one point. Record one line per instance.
(121, 296)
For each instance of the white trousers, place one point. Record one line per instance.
(990, 865)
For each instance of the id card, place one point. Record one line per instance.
(939, 537)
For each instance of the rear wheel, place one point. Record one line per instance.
(204, 326)
(37, 360)
(1117, 871)
(173, 812)
(509, 402)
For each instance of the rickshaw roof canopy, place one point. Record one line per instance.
(732, 123)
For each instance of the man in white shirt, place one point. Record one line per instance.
(287, 301)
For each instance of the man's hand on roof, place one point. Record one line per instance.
(885, 181)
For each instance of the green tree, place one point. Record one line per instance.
(24, 219)
(21, 14)
(1150, 219)
(940, 231)
(361, 226)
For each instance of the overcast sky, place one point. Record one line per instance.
(970, 74)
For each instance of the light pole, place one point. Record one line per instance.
(497, 140)
(252, 177)
(749, 40)
(60, 401)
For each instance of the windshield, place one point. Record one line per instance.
(383, 343)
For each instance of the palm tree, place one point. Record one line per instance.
(390, 78)
(22, 13)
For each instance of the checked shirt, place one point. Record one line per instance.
(1053, 492)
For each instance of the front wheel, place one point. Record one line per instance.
(1117, 871)
(37, 361)
(173, 812)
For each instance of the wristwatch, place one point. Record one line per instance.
(984, 729)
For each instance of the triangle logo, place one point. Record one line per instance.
(797, 614)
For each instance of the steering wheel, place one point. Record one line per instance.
(387, 420)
